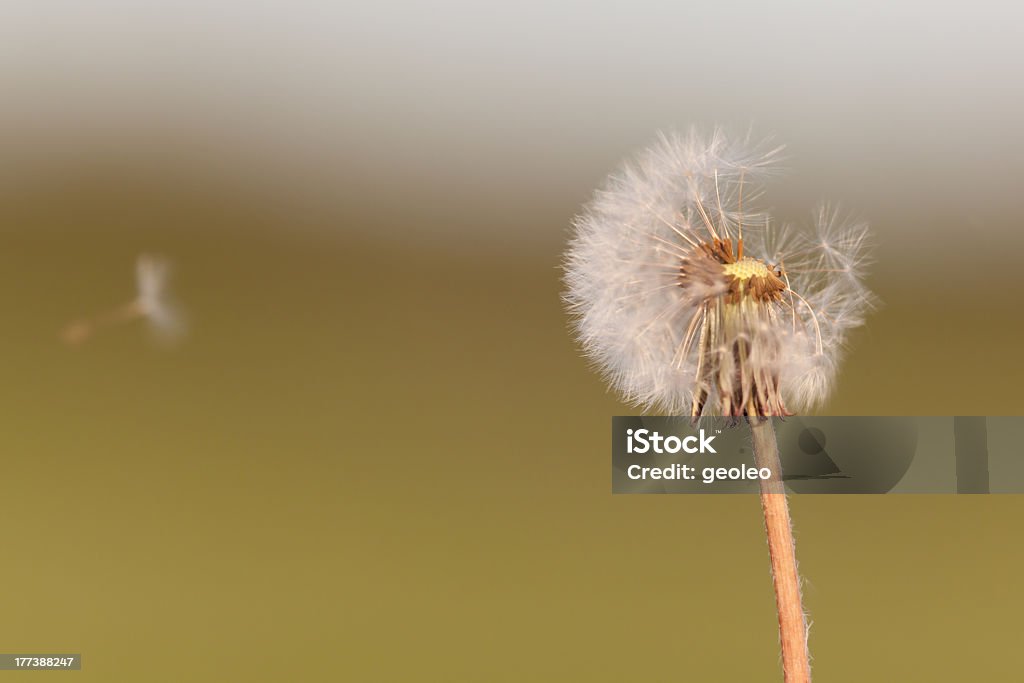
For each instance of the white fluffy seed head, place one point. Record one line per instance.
(152, 276)
(645, 296)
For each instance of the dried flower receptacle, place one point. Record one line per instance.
(736, 359)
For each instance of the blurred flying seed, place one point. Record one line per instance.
(153, 303)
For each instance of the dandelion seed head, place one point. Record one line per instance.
(689, 300)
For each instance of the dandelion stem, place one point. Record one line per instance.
(792, 624)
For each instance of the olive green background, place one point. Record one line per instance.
(378, 454)
(372, 461)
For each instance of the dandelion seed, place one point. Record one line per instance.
(152, 303)
(154, 300)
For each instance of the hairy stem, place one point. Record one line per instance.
(796, 665)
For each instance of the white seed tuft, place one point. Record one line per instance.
(675, 319)
(152, 276)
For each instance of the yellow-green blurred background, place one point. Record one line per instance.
(377, 456)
